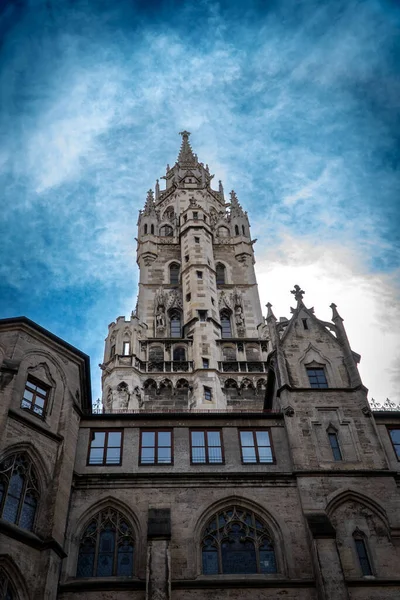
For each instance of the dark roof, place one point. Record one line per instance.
(87, 401)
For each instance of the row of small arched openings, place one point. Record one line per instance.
(166, 385)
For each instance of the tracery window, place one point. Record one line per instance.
(220, 274)
(107, 546)
(19, 491)
(166, 231)
(229, 353)
(179, 354)
(6, 589)
(174, 269)
(237, 541)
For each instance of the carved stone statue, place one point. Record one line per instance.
(109, 400)
(123, 396)
(160, 318)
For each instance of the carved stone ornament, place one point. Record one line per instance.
(224, 301)
(288, 411)
(174, 300)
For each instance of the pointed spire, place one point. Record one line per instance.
(186, 156)
(157, 190)
(236, 209)
(270, 314)
(221, 188)
(335, 314)
(149, 207)
(298, 294)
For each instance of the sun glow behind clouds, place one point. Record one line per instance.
(292, 103)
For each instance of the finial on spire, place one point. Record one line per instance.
(298, 293)
(335, 314)
(270, 314)
(236, 209)
(186, 156)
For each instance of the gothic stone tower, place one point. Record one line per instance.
(197, 338)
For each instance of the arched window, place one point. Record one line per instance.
(236, 229)
(174, 269)
(152, 229)
(106, 546)
(226, 324)
(175, 324)
(19, 491)
(252, 353)
(156, 354)
(7, 591)
(237, 541)
(145, 229)
(166, 231)
(220, 274)
(179, 354)
(362, 552)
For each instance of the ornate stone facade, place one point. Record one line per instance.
(232, 456)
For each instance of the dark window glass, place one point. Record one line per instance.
(243, 230)
(166, 231)
(235, 541)
(317, 377)
(105, 447)
(199, 274)
(206, 363)
(152, 229)
(188, 297)
(334, 442)
(35, 397)
(202, 315)
(19, 491)
(305, 324)
(207, 394)
(156, 354)
(197, 240)
(145, 229)
(236, 230)
(174, 274)
(220, 274)
(256, 446)
(226, 330)
(195, 216)
(175, 325)
(156, 447)
(229, 354)
(179, 354)
(206, 446)
(363, 556)
(106, 547)
(395, 437)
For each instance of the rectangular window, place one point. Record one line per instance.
(317, 378)
(184, 218)
(206, 363)
(206, 446)
(305, 324)
(199, 274)
(112, 351)
(256, 446)
(156, 447)
(188, 297)
(363, 557)
(105, 447)
(35, 397)
(187, 258)
(334, 442)
(202, 315)
(195, 216)
(126, 350)
(197, 240)
(207, 394)
(395, 437)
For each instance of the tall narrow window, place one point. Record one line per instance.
(105, 447)
(362, 554)
(112, 351)
(243, 230)
(220, 274)
(19, 491)
(256, 446)
(35, 397)
(156, 447)
(317, 377)
(226, 330)
(206, 446)
(126, 349)
(206, 363)
(175, 324)
(107, 546)
(145, 229)
(236, 541)
(334, 442)
(174, 274)
(152, 229)
(236, 230)
(207, 394)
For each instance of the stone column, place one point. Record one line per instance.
(328, 568)
(158, 569)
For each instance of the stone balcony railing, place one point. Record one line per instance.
(169, 366)
(242, 367)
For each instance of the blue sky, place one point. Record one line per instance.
(293, 103)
